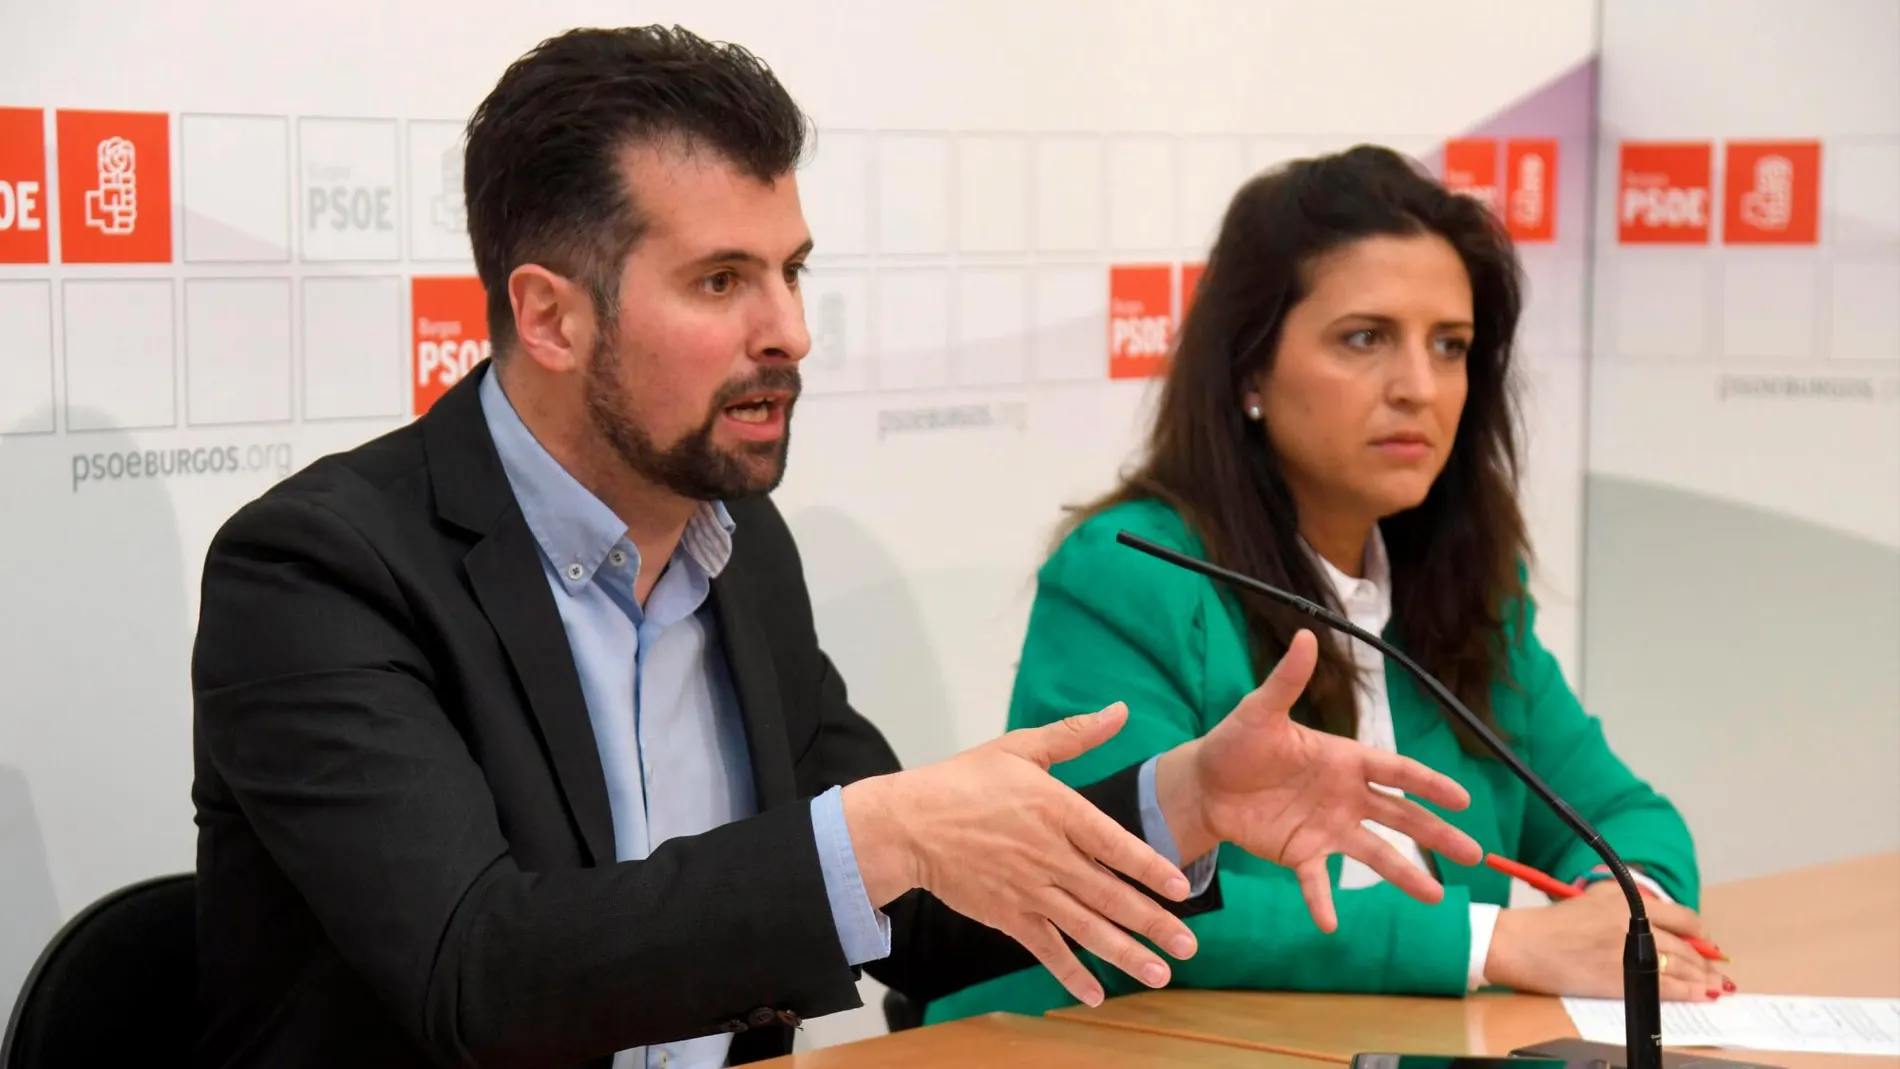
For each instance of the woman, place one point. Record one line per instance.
(1338, 420)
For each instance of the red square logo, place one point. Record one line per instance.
(1471, 168)
(1140, 320)
(1530, 189)
(1772, 193)
(115, 187)
(1663, 194)
(450, 332)
(1190, 285)
(23, 196)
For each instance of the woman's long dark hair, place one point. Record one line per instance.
(1454, 557)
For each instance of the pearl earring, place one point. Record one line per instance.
(1253, 411)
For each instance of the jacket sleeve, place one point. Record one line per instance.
(318, 708)
(1110, 624)
(1566, 747)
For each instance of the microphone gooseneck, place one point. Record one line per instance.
(1642, 1002)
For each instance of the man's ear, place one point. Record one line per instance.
(554, 318)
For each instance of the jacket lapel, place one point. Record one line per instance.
(755, 681)
(504, 571)
(507, 580)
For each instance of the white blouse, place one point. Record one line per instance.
(1368, 603)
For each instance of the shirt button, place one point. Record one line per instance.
(575, 571)
(666, 1059)
(617, 557)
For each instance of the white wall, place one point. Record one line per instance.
(1743, 557)
(979, 164)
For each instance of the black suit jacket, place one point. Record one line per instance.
(405, 849)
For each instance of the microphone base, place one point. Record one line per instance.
(1581, 1053)
(1642, 1021)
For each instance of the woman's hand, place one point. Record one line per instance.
(1575, 947)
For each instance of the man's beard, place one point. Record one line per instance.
(694, 468)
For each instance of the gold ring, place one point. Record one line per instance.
(1662, 961)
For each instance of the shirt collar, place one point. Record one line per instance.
(575, 529)
(1373, 588)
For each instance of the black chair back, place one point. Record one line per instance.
(900, 1013)
(116, 986)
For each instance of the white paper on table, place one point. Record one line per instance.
(1757, 1022)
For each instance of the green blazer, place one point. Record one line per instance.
(1111, 623)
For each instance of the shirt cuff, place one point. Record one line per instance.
(1484, 922)
(863, 931)
(1154, 828)
(1654, 887)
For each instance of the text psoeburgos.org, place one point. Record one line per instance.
(271, 457)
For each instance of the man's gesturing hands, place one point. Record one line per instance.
(997, 838)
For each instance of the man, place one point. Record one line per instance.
(515, 745)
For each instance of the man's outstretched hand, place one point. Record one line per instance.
(998, 839)
(1295, 796)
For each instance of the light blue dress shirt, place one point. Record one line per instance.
(665, 718)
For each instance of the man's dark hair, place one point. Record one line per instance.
(540, 170)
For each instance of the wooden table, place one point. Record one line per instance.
(1827, 930)
(1010, 1041)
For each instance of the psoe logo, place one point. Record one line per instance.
(1774, 192)
(1140, 319)
(1530, 169)
(450, 328)
(112, 206)
(444, 354)
(115, 187)
(1527, 199)
(24, 238)
(1663, 194)
(446, 208)
(1471, 168)
(1770, 205)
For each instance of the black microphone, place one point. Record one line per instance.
(1642, 998)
